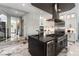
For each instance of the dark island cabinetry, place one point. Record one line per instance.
(46, 46)
(36, 47)
(39, 48)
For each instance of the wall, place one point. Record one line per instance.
(49, 27)
(73, 22)
(31, 24)
(9, 25)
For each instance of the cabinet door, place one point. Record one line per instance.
(50, 49)
(36, 47)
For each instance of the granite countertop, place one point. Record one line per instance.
(48, 37)
(43, 39)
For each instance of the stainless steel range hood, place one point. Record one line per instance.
(55, 14)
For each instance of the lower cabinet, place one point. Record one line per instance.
(36, 48)
(61, 45)
(51, 48)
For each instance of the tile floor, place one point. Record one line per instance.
(16, 48)
(73, 50)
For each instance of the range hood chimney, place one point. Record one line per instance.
(55, 11)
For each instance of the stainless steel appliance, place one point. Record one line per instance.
(50, 48)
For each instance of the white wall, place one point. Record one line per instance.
(31, 24)
(74, 22)
(9, 24)
(49, 27)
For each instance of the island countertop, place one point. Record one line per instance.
(50, 45)
(46, 38)
(43, 39)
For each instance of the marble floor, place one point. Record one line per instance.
(73, 50)
(14, 48)
(18, 48)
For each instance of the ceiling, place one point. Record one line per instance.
(48, 7)
(14, 9)
(11, 11)
(22, 9)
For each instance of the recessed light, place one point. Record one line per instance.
(59, 9)
(23, 4)
(45, 19)
(41, 17)
(73, 15)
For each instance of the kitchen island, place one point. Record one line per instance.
(50, 45)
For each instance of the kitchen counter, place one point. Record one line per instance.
(51, 45)
(43, 39)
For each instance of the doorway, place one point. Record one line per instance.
(3, 21)
(16, 28)
(13, 28)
